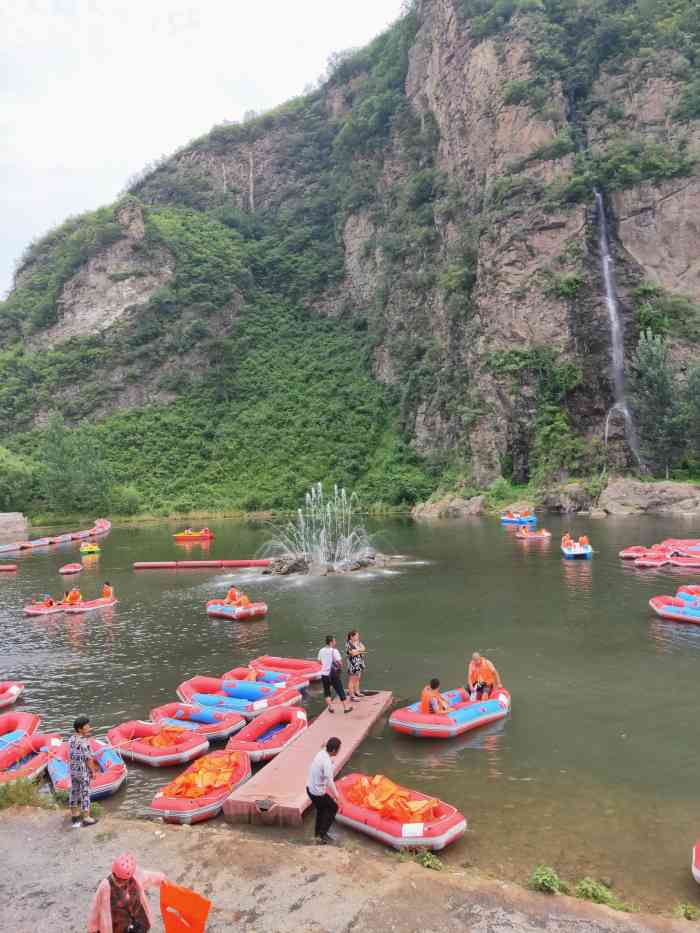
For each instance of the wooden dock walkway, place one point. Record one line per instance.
(277, 793)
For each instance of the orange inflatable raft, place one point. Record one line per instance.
(157, 744)
(395, 815)
(211, 723)
(268, 734)
(10, 692)
(199, 792)
(189, 535)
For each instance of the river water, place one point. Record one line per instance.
(594, 772)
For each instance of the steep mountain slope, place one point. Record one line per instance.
(395, 274)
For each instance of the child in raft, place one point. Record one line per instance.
(431, 701)
(107, 590)
(73, 597)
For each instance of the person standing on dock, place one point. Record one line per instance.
(331, 666)
(322, 790)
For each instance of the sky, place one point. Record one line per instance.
(92, 90)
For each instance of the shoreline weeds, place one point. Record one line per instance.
(261, 882)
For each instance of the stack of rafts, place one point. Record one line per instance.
(101, 527)
(678, 552)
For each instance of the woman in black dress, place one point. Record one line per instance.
(355, 651)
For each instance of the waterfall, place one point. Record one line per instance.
(616, 333)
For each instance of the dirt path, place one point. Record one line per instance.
(260, 883)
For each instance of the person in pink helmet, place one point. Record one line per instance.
(120, 904)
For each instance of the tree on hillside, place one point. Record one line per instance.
(694, 410)
(657, 404)
(18, 482)
(73, 476)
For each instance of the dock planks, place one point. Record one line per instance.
(277, 793)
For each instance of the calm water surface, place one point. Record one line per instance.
(596, 770)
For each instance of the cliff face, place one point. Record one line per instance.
(434, 200)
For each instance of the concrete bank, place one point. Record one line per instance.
(260, 883)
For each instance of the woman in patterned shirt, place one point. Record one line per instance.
(82, 767)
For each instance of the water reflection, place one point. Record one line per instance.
(669, 637)
(578, 575)
(433, 758)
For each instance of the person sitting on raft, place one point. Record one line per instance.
(431, 700)
(482, 678)
(242, 602)
(232, 595)
(48, 601)
(107, 590)
(567, 540)
(75, 596)
(583, 541)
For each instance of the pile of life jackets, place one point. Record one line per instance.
(204, 776)
(391, 800)
(170, 735)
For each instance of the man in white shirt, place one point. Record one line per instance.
(331, 666)
(322, 790)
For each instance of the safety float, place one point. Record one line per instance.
(45, 608)
(203, 535)
(15, 725)
(67, 569)
(200, 791)
(400, 817)
(518, 518)
(8, 568)
(301, 666)
(27, 758)
(465, 715)
(157, 744)
(213, 724)
(676, 609)
(107, 781)
(239, 696)
(524, 534)
(695, 861)
(89, 605)
(10, 692)
(90, 548)
(269, 733)
(267, 677)
(219, 609)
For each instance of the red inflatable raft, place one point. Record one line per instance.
(211, 723)
(27, 758)
(438, 824)
(70, 568)
(105, 782)
(300, 666)
(247, 698)
(43, 609)
(269, 733)
(89, 605)
(199, 792)
(688, 563)
(10, 692)
(218, 609)
(203, 535)
(16, 724)
(8, 568)
(267, 677)
(156, 744)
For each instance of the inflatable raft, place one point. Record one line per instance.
(218, 609)
(27, 758)
(90, 548)
(525, 535)
(106, 782)
(89, 605)
(269, 733)
(67, 569)
(157, 744)
(300, 666)
(688, 592)
(577, 551)
(8, 568)
(203, 535)
(516, 518)
(395, 815)
(202, 720)
(465, 715)
(688, 563)
(199, 792)
(10, 692)
(43, 609)
(675, 609)
(239, 696)
(15, 725)
(267, 677)
(695, 862)
(101, 527)
(652, 559)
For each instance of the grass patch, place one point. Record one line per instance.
(588, 889)
(545, 879)
(686, 911)
(23, 793)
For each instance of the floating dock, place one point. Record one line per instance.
(277, 793)
(197, 564)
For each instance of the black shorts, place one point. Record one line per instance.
(332, 680)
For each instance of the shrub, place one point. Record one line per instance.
(686, 911)
(23, 793)
(545, 879)
(689, 105)
(428, 860)
(591, 890)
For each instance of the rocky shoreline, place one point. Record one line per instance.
(261, 882)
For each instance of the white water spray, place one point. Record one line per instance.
(323, 532)
(616, 333)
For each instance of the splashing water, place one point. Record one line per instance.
(323, 532)
(616, 333)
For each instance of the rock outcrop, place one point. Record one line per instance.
(449, 507)
(633, 497)
(13, 525)
(572, 497)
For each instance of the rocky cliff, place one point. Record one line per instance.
(431, 206)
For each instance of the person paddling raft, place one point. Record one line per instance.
(107, 590)
(482, 678)
(432, 701)
(74, 596)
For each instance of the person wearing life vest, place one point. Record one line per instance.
(107, 591)
(242, 602)
(567, 540)
(75, 596)
(482, 678)
(583, 540)
(49, 601)
(431, 701)
(232, 595)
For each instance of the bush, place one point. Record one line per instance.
(686, 911)
(545, 879)
(428, 860)
(591, 890)
(22, 793)
(125, 500)
(18, 482)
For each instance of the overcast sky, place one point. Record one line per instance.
(92, 90)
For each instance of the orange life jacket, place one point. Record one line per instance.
(74, 597)
(242, 601)
(482, 673)
(232, 595)
(426, 698)
(107, 592)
